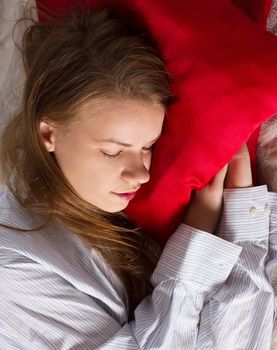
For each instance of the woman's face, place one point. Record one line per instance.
(99, 169)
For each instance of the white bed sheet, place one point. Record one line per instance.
(11, 68)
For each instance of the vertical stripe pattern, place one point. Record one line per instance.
(209, 291)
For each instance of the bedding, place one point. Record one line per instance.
(264, 139)
(257, 10)
(235, 84)
(10, 84)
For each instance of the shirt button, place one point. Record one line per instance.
(267, 210)
(253, 212)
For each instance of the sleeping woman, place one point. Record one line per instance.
(75, 272)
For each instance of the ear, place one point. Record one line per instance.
(48, 134)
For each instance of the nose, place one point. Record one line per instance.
(136, 172)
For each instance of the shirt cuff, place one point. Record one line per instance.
(195, 255)
(272, 197)
(245, 214)
(273, 224)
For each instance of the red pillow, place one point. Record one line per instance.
(225, 67)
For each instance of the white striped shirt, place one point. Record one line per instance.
(210, 292)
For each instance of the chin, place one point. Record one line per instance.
(110, 204)
(117, 209)
(113, 207)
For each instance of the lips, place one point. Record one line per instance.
(127, 196)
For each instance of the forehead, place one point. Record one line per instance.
(110, 118)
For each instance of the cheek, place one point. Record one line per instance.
(75, 162)
(87, 169)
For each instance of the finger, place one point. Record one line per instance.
(239, 174)
(241, 153)
(218, 179)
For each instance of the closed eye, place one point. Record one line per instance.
(148, 149)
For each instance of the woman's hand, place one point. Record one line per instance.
(205, 207)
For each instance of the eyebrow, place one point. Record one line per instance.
(122, 143)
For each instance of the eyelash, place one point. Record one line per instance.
(116, 155)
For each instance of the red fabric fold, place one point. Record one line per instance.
(258, 10)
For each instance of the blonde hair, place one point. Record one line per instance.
(81, 57)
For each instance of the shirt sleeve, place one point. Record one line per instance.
(41, 310)
(240, 314)
(271, 263)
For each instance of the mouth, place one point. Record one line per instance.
(126, 196)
